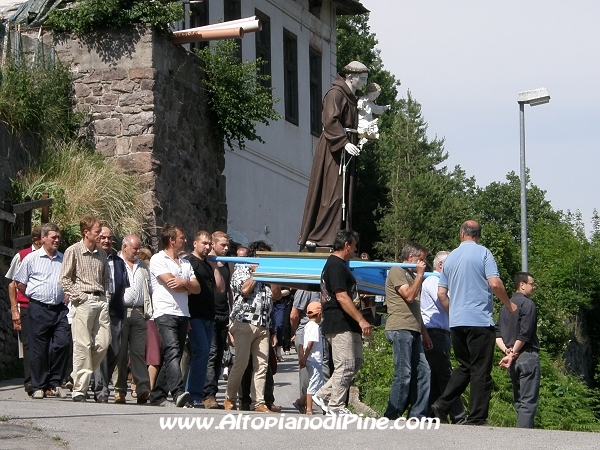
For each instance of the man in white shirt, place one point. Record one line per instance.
(133, 337)
(172, 280)
(436, 320)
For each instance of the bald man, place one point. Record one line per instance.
(470, 276)
(133, 334)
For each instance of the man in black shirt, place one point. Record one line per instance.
(516, 337)
(343, 324)
(222, 304)
(202, 316)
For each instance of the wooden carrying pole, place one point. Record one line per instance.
(249, 24)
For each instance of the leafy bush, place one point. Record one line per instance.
(235, 95)
(81, 181)
(93, 15)
(37, 98)
(565, 403)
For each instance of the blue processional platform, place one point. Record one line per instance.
(303, 270)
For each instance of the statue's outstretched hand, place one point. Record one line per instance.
(352, 149)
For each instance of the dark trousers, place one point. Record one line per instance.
(277, 318)
(441, 370)
(24, 339)
(474, 350)
(49, 337)
(215, 358)
(287, 325)
(172, 330)
(103, 374)
(525, 375)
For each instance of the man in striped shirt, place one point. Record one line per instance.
(49, 336)
(85, 278)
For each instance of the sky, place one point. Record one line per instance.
(465, 62)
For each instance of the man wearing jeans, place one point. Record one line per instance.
(516, 336)
(468, 279)
(172, 280)
(404, 329)
(343, 324)
(223, 299)
(202, 316)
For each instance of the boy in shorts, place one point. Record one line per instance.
(311, 354)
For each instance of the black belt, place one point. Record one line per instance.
(95, 293)
(438, 330)
(53, 307)
(529, 350)
(132, 307)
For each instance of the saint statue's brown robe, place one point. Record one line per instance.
(323, 209)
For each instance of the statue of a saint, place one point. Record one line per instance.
(368, 126)
(328, 207)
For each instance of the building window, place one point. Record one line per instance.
(314, 6)
(290, 76)
(198, 18)
(232, 10)
(263, 47)
(316, 88)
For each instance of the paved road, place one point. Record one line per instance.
(60, 424)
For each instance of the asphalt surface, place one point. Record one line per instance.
(62, 424)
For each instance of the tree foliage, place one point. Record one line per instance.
(425, 202)
(86, 16)
(565, 402)
(235, 96)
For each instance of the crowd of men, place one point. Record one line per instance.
(92, 316)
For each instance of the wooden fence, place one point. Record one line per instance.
(8, 217)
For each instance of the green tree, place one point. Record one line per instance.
(426, 202)
(561, 258)
(86, 16)
(235, 96)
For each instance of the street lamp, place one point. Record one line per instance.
(534, 97)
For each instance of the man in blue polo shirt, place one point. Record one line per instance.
(469, 278)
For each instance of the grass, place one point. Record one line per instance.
(81, 182)
(565, 403)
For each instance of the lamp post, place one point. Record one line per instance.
(534, 97)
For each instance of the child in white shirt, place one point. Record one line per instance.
(311, 354)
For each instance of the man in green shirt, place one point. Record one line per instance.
(404, 329)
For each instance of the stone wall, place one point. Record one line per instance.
(147, 111)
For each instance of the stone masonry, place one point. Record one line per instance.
(147, 109)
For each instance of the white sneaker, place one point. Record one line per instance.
(38, 395)
(320, 403)
(59, 392)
